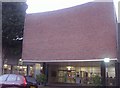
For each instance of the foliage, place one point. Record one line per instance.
(97, 80)
(13, 15)
(41, 78)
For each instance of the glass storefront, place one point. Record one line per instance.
(7, 69)
(66, 75)
(88, 73)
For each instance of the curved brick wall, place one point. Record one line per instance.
(82, 32)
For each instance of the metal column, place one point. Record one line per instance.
(103, 74)
(45, 70)
(117, 64)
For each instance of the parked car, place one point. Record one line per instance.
(17, 81)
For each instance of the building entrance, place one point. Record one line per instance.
(66, 76)
(71, 74)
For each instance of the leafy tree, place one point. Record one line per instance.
(13, 15)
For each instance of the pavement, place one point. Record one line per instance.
(80, 87)
(74, 86)
(60, 86)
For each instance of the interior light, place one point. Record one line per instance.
(25, 67)
(21, 67)
(41, 68)
(5, 65)
(69, 67)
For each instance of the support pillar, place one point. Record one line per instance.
(28, 69)
(11, 71)
(103, 74)
(1, 60)
(117, 73)
(117, 64)
(45, 70)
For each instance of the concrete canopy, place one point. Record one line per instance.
(81, 33)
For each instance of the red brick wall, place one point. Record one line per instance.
(79, 33)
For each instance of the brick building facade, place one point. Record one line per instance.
(72, 37)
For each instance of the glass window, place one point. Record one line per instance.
(12, 78)
(18, 78)
(3, 77)
(31, 79)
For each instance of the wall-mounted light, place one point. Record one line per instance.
(106, 60)
(20, 59)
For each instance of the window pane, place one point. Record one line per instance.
(12, 78)
(18, 78)
(31, 79)
(3, 77)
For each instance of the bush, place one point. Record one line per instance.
(97, 80)
(41, 78)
